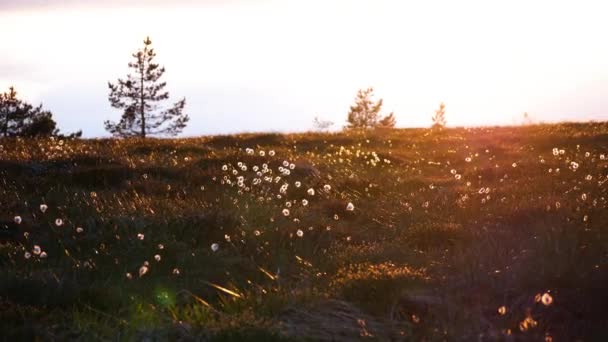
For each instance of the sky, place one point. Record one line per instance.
(273, 65)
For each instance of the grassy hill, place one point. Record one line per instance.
(466, 234)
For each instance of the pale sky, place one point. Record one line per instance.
(273, 65)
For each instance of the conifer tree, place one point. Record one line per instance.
(19, 118)
(365, 113)
(138, 96)
(439, 117)
(388, 121)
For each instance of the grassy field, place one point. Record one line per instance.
(465, 234)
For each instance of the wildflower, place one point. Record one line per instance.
(157, 257)
(304, 202)
(502, 310)
(43, 208)
(140, 236)
(79, 230)
(43, 255)
(300, 233)
(129, 276)
(271, 153)
(327, 187)
(37, 250)
(311, 192)
(350, 207)
(27, 255)
(285, 212)
(17, 219)
(215, 247)
(59, 222)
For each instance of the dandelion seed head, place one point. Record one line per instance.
(143, 270)
(546, 299)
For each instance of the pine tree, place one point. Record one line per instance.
(19, 118)
(365, 113)
(388, 121)
(439, 117)
(13, 113)
(137, 97)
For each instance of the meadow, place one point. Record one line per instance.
(408, 234)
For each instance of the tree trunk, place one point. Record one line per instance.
(141, 98)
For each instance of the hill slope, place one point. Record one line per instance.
(466, 234)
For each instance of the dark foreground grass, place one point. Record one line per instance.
(481, 234)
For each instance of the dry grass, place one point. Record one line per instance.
(454, 235)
